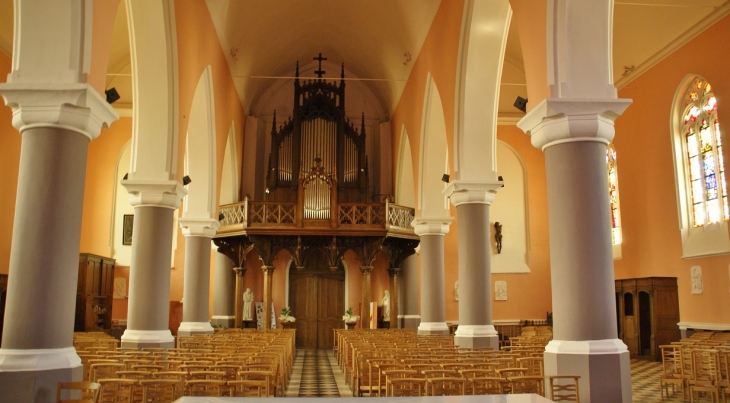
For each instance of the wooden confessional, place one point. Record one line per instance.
(317, 207)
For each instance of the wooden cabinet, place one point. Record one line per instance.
(94, 293)
(647, 312)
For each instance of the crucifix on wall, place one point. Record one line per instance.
(319, 71)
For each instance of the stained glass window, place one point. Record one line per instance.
(613, 195)
(701, 131)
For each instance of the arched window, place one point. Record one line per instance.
(613, 195)
(701, 131)
(699, 170)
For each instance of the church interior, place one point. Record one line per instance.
(461, 169)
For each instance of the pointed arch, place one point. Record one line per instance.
(229, 176)
(404, 184)
(200, 152)
(432, 157)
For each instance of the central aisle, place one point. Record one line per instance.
(316, 374)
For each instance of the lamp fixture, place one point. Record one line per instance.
(186, 180)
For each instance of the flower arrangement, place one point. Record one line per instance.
(286, 315)
(348, 317)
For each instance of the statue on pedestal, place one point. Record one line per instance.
(247, 303)
(386, 306)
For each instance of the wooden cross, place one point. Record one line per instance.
(320, 71)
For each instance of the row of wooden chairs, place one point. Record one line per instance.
(695, 369)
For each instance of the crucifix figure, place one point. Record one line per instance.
(319, 72)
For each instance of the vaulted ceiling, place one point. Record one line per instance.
(378, 40)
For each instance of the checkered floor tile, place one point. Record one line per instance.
(317, 378)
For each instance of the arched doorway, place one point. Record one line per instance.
(317, 299)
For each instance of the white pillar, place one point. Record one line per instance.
(574, 134)
(57, 115)
(149, 275)
(433, 312)
(472, 201)
(198, 234)
(223, 291)
(408, 295)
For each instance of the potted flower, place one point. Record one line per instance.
(349, 318)
(286, 318)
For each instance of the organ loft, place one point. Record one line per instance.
(318, 206)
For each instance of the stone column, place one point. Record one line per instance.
(268, 272)
(149, 275)
(433, 313)
(408, 295)
(365, 314)
(472, 202)
(393, 273)
(223, 292)
(239, 272)
(56, 126)
(573, 135)
(198, 234)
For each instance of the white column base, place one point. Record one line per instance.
(32, 375)
(603, 366)
(409, 321)
(191, 328)
(433, 328)
(148, 338)
(474, 336)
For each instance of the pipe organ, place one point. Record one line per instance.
(318, 156)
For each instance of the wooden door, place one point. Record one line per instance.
(317, 300)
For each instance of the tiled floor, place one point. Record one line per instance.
(316, 374)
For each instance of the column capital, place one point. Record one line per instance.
(154, 193)
(431, 225)
(394, 271)
(463, 192)
(267, 269)
(366, 269)
(202, 227)
(69, 106)
(239, 271)
(564, 120)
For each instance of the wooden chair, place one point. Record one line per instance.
(77, 392)
(117, 390)
(104, 370)
(534, 365)
(705, 374)
(487, 385)
(527, 384)
(445, 386)
(159, 390)
(261, 376)
(672, 371)
(397, 374)
(204, 387)
(248, 388)
(407, 386)
(564, 388)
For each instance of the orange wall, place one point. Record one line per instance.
(9, 165)
(652, 244)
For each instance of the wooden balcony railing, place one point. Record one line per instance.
(237, 217)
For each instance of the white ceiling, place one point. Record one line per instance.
(263, 39)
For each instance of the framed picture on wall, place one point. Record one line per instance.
(127, 227)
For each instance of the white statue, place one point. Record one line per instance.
(696, 279)
(386, 306)
(247, 302)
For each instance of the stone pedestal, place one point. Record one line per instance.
(149, 275)
(198, 234)
(223, 292)
(574, 134)
(472, 201)
(433, 312)
(56, 126)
